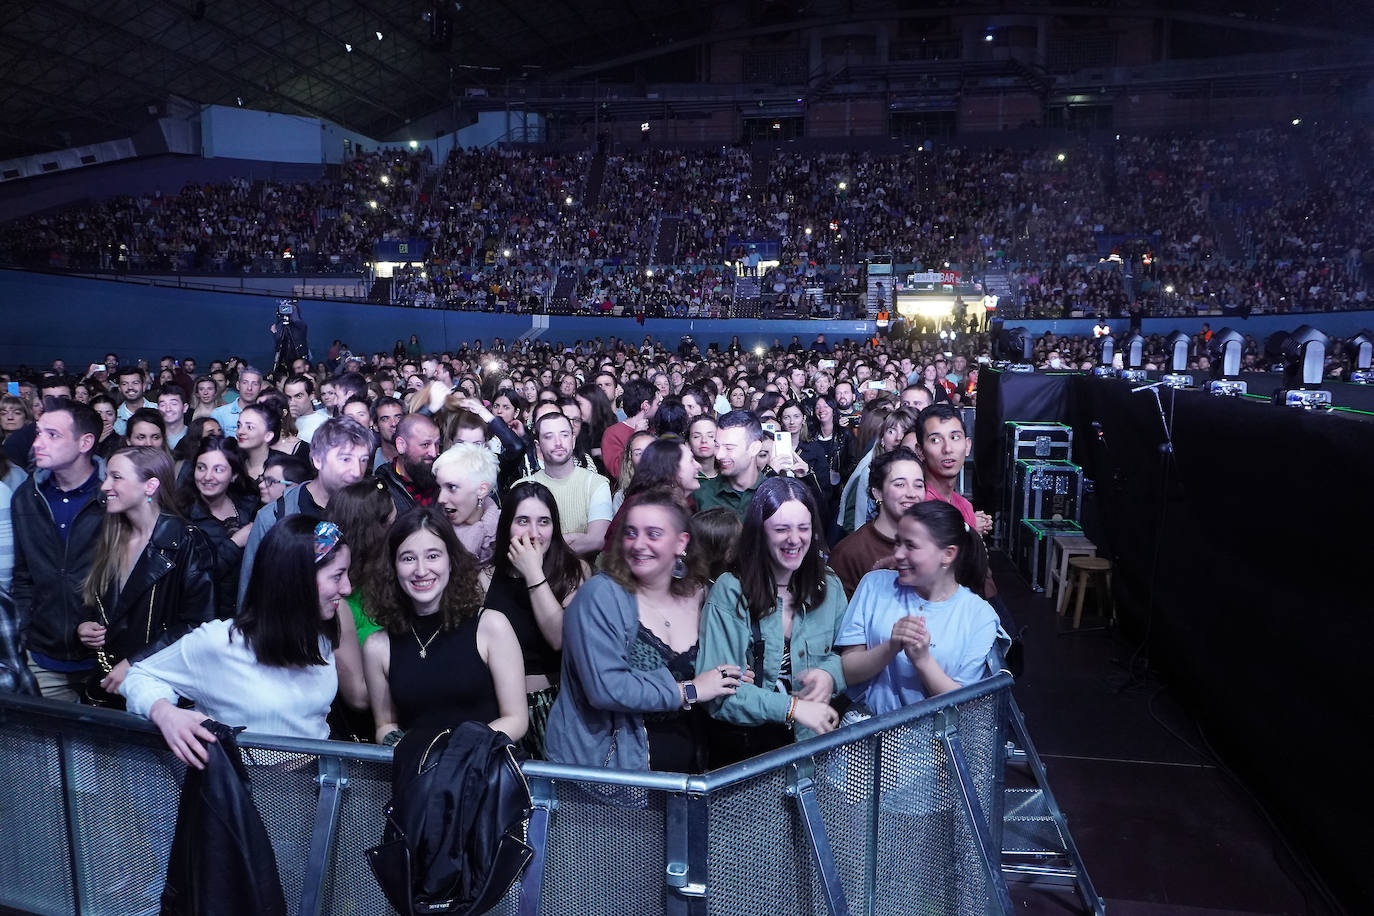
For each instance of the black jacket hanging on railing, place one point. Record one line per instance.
(222, 860)
(453, 841)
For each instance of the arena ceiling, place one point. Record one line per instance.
(80, 71)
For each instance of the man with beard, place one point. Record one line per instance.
(410, 478)
(583, 496)
(849, 412)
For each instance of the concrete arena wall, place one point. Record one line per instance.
(80, 319)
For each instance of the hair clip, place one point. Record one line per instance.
(327, 537)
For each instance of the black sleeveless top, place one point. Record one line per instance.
(509, 595)
(450, 685)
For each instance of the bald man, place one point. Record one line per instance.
(410, 478)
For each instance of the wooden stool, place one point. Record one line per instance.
(1085, 569)
(1067, 545)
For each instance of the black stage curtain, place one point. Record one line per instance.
(1240, 556)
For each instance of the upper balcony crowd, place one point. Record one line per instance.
(1269, 220)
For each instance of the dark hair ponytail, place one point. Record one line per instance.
(947, 528)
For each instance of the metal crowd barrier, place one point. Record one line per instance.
(898, 814)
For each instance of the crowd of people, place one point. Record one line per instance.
(614, 554)
(1257, 221)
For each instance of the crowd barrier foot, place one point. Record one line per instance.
(1037, 848)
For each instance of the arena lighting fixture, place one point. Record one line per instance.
(1361, 349)
(1134, 347)
(1106, 352)
(1304, 366)
(1178, 351)
(1013, 343)
(1224, 352)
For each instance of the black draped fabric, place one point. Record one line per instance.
(1243, 577)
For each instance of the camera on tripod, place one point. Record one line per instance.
(286, 310)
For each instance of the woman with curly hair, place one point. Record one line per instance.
(440, 659)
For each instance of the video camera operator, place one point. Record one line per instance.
(289, 333)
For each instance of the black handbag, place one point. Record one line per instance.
(453, 840)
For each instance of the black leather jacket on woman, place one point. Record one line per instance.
(169, 592)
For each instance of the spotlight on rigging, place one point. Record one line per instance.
(1179, 342)
(1360, 348)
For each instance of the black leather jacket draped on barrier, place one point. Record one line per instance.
(222, 860)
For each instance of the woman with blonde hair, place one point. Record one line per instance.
(152, 578)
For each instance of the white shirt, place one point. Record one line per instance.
(306, 425)
(225, 680)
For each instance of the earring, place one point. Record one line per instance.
(680, 566)
(150, 500)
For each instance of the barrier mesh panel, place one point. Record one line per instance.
(350, 888)
(757, 860)
(605, 852)
(926, 862)
(844, 788)
(35, 869)
(285, 791)
(124, 807)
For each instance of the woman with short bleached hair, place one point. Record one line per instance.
(467, 475)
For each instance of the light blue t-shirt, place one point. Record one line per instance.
(963, 630)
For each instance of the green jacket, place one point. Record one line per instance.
(718, 491)
(725, 638)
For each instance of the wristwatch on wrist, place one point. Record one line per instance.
(689, 694)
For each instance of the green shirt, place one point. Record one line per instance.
(365, 624)
(718, 491)
(725, 638)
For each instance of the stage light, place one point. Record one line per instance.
(1106, 352)
(1361, 349)
(1224, 352)
(1304, 366)
(1013, 343)
(1178, 351)
(1134, 347)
